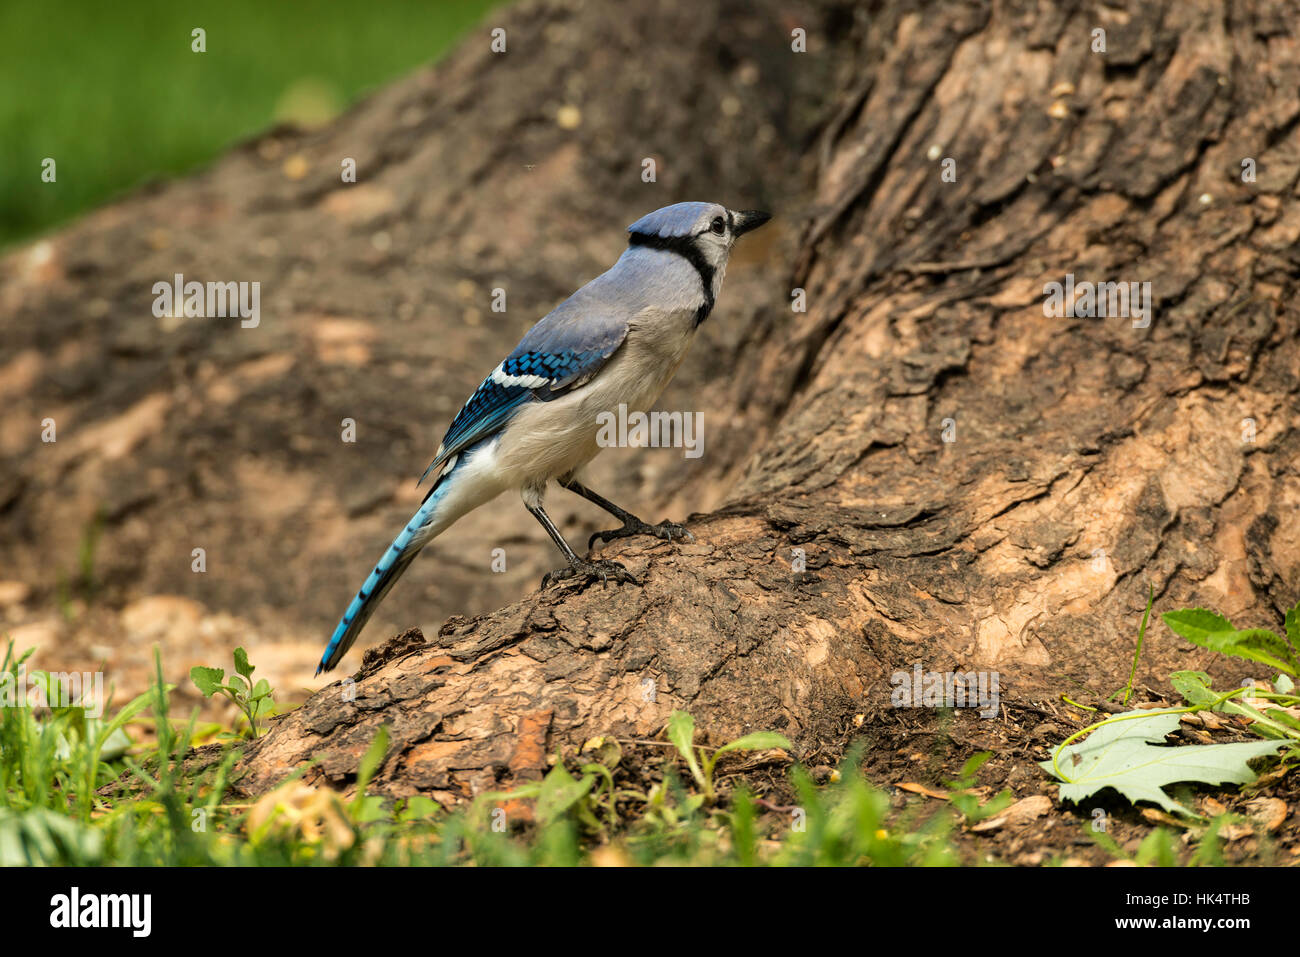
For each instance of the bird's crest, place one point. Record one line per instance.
(680, 219)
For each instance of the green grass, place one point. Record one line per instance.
(172, 807)
(54, 761)
(665, 802)
(113, 93)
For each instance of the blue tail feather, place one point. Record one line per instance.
(385, 574)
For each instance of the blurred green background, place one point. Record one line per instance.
(113, 93)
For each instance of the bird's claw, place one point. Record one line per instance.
(600, 569)
(665, 530)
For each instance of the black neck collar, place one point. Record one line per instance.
(683, 246)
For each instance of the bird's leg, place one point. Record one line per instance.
(631, 524)
(600, 569)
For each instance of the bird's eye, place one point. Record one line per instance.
(719, 225)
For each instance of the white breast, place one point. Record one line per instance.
(545, 440)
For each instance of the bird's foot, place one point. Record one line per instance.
(600, 569)
(665, 530)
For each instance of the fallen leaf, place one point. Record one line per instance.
(1270, 812)
(1017, 815)
(1028, 809)
(1210, 720)
(1157, 816)
(1213, 808)
(1235, 832)
(1128, 754)
(922, 789)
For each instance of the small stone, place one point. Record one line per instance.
(295, 167)
(13, 593)
(569, 117)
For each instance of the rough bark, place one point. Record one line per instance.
(1089, 459)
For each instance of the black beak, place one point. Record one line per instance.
(747, 219)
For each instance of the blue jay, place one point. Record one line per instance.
(618, 339)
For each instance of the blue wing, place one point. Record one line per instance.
(563, 351)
